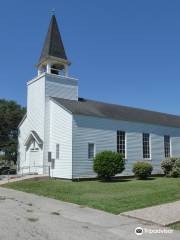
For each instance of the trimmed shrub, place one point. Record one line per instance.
(177, 162)
(142, 170)
(107, 164)
(167, 166)
(175, 172)
(171, 167)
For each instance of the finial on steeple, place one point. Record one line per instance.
(53, 11)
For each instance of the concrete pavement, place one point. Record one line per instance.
(164, 214)
(27, 216)
(16, 178)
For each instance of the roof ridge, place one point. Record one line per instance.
(136, 108)
(118, 112)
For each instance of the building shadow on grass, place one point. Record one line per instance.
(119, 180)
(116, 180)
(148, 179)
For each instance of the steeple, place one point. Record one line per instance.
(53, 57)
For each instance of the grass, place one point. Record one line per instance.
(115, 197)
(175, 226)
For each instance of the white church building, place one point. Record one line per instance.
(65, 132)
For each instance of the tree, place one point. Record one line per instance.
(11, 114)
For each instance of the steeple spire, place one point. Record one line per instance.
(53, 52)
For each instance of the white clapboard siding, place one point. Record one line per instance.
(34, 120)
(36, 105)
(175, 146)
(39, 91)
(23, 131)
(36, 112)
(24, 155)
(46, 134)
(102, 132)
(61, 87)
(61, 133)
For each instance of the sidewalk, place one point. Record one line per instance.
(16, 178)
(164, 214)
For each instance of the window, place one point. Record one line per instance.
(57, 151)
(91, 150)
(121, 142)
(146, 146)
(167, 146)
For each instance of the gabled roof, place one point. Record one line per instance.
(22, 120)
(53, 45)
(33, 135)
(105, 110)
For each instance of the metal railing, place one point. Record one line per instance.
(33, 170)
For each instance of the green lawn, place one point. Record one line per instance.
(116, 197)
(175, 226)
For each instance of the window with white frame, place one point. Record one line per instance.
(167, 146)
(57, 151)
(146, 146)
(91, 150)
(121, 142)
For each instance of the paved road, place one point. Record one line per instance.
(26, 216)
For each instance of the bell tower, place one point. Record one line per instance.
(53, 59)
(53, 67)
(52, 80)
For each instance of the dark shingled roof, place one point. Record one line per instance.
(118, 112)
(53, 45)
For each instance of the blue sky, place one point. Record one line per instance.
(122, 51)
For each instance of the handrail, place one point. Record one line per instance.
(25, 170)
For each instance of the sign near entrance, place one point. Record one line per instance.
(52, 163)
(49, 157)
